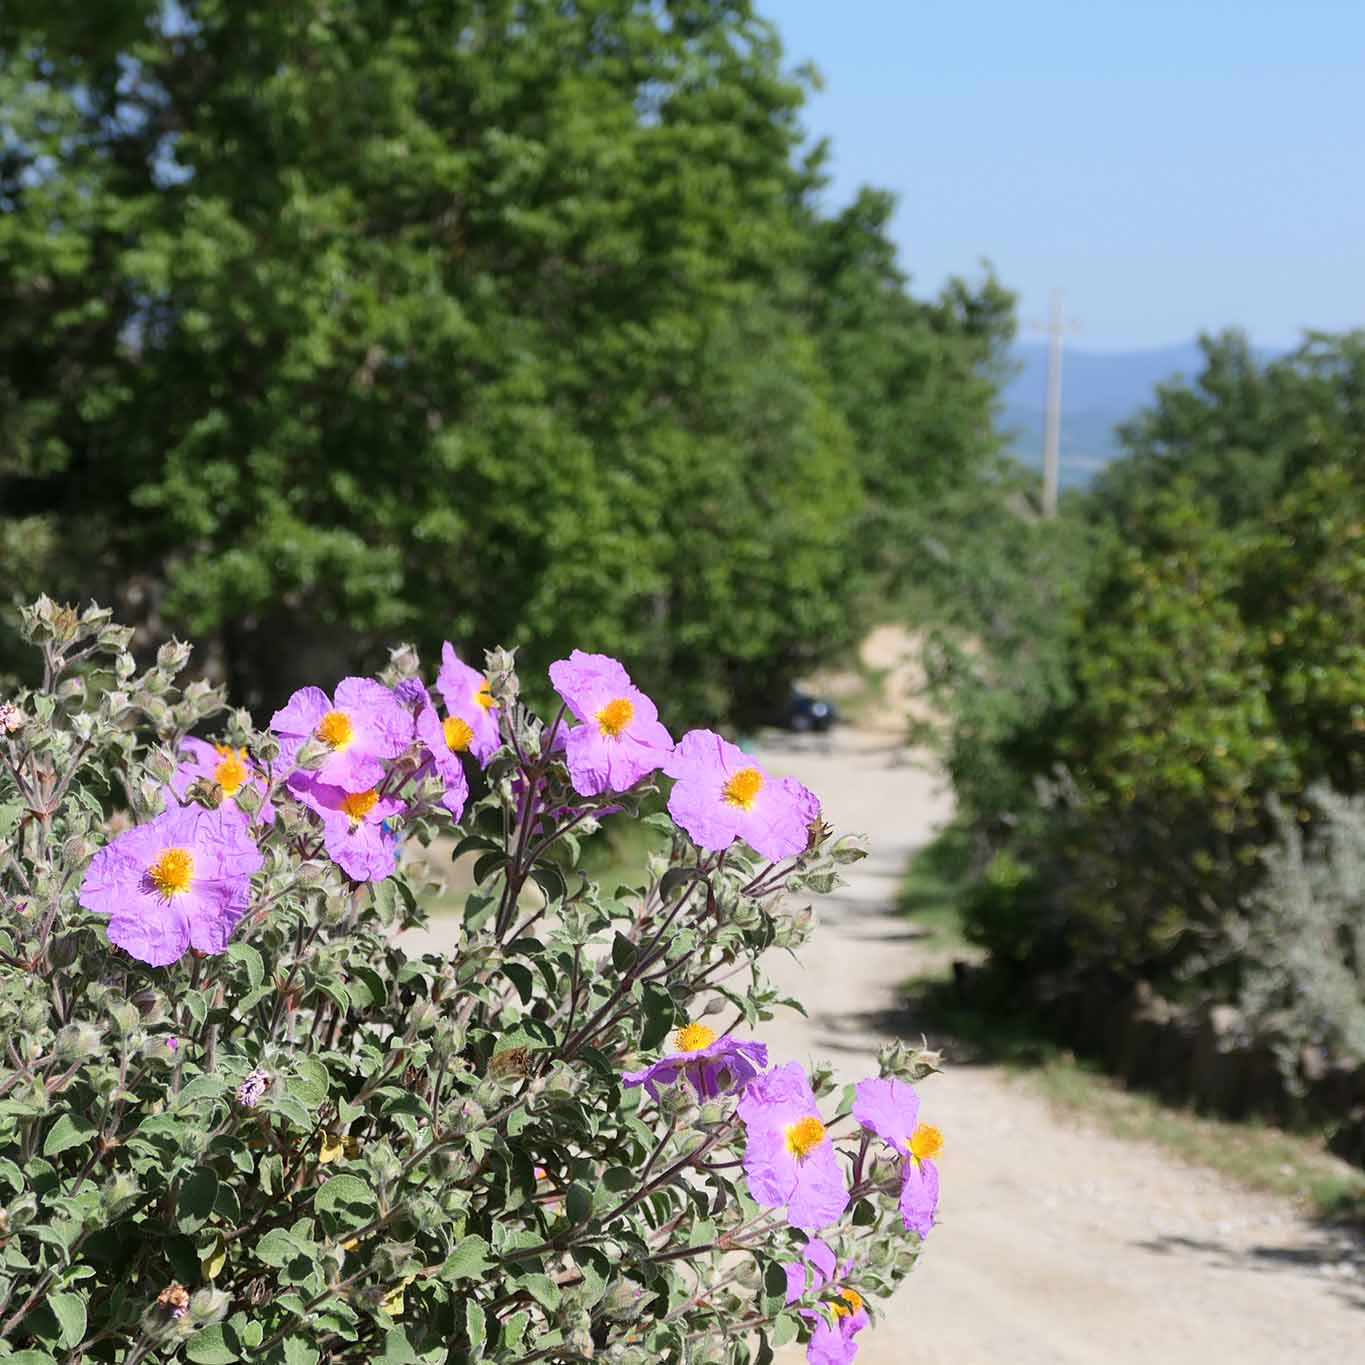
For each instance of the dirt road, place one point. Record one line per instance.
(1056, 1244)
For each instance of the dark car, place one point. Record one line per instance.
(806, 714)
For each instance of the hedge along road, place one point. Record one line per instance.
(1055, 1244)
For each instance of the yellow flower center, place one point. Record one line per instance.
(172, 873)
(230, 771)
(743, 788)
(804, 1136)
(614, 717)
(853, 1302)
(335, 728)
(694, 1037)
(359, 804)
(925, 1142)
(483, 697)
(459, 734)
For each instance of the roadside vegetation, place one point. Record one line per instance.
(973, 1028)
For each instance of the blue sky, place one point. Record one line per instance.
(1170, 166)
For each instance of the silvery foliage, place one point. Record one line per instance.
(1304, 953)
(317, 1147)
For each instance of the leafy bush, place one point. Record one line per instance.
(238, 1121)
(509, 321)
(1122, 754)
(1304, 982)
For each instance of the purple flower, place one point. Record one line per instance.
(412, 692)
(788, 1157)
(722, 795)
(838, 1320)
(252, 1088)
(352, 826)
(714, 1066)
(891, 1110)
(173, 1042)
(619, 739)
(364, 726)
(813, 1271)
(443, 741)
(468, 703)
(180, 881)
(230, 768)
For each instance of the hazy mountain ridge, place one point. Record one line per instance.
(1099, 390)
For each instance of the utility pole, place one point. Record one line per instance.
(1052, 430)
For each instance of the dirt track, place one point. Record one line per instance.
(1056, 1244)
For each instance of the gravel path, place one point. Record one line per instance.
(1056, 1244)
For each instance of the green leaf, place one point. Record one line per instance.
(197, 1196)
(476, 1328)
(69, 1310)
(785, 1326)
(210, 1346)
(366, 987)
(69, 1131)
(660, 1016)
(578, 1203)
(251, 959)
(308, 1082)
(277, 1248)
(469, 1260)
(774, 1286)
(346, 1192)
(550, 880)
(299, 1351)
(29, 1358)
(545, 1291)
(513, 1330)
(200, 1088)
(623, 952)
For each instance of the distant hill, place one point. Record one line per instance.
(1099, 390)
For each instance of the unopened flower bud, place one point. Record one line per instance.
(204, 791)
(624, 1301)
(62, 951)
(208, 1306)
(248, 798)
(173, 655)
(925, 1062)
(76, 1042)
(311, 754)
(117, 1194)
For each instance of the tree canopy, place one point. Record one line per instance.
(505, 321)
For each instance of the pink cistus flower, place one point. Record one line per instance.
(252, 1088)
(180, 881)
(788, 1156)
(353, 831)
(11, 718)
(365, 726)
(890, 1109)
(618, 739)
(472, 717)
(230, 768)
(838, 1319)
(713, 1066)
(444, 741)
(722, 795)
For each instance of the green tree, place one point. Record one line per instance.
(493, 319)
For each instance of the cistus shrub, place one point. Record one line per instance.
(241, 1120)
